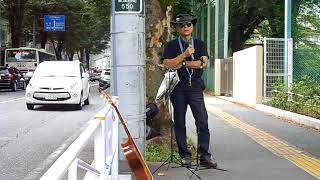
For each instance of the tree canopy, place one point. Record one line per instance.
(87, 24)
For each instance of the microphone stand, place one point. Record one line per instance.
(172, 158)
(197, 165)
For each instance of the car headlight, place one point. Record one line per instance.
(74, 85)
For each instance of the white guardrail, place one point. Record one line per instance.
(104, 128)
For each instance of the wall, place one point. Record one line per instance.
(247, 78)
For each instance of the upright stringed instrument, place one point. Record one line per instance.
(131, 152)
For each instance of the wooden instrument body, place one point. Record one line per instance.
(131, 152)
(135, 161)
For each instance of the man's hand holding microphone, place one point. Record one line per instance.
(189, 51)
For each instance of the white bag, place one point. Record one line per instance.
(169, 82)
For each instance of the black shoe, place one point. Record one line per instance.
(208, 163)
(186, 162)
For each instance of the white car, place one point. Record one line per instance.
(105, 76)
(58, 82)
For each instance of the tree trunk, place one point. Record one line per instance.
(158, 31)
(87, 54)
(60, 47)
(70, 56)
(16, 13)
(44, 38)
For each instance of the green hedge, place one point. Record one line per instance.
(304, 97)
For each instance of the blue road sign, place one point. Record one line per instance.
(54, 23)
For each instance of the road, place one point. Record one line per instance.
(30, 141)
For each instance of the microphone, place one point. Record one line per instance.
(190, 44)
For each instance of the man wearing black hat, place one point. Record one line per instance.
(189, 56)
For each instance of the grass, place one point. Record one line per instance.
(160, 152)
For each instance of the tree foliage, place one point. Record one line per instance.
(306, 25)
(87, 24)
(14, 12)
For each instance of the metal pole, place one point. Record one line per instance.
(202, 24)
(114, 89)
(217, 22)
(128, 66)
(209, 76)
(209, 28)
(287, 35)
(226, 28)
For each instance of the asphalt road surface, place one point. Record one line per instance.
(31, 140)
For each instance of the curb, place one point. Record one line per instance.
(301, 119)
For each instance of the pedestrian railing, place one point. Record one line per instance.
(104, 128)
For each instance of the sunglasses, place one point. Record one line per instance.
(188, 24)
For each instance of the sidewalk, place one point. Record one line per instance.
(252, 145)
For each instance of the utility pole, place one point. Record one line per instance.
(128, 66)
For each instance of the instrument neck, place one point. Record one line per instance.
(121, 120)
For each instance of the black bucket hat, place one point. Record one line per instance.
(183, 18)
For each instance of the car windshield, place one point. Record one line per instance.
(55, 70)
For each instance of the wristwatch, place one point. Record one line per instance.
(184, 63)
(202, 62)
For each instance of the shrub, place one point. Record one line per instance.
(303, 97)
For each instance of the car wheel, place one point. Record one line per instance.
(14, 87)
(86, 102)
(79, 105)
(24, 85)
(30, 106)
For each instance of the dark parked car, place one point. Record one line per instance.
(11, 78)
(94, 75)
(103, 85)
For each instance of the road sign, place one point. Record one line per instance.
(54, 23)
(128, 6)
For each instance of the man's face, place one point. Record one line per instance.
(184, 29)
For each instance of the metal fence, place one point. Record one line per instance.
(306, 62)
(273, 63)
(104, 128)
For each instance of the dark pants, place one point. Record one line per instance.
(180, 101)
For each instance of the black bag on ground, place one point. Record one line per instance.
(151, 111)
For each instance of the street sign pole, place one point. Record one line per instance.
(128, 65)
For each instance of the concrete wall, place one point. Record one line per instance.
(247, 77)
(218, 77)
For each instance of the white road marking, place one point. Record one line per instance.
(2, 102)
